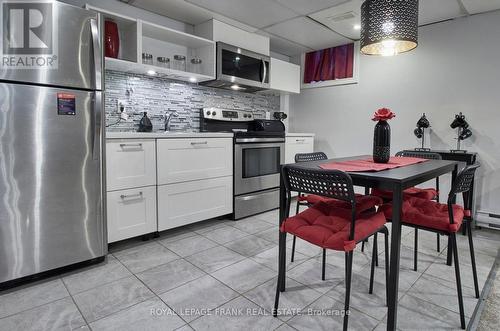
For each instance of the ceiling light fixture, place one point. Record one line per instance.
(357, 27)
(389, 27)
(192, 79)
(151, 72)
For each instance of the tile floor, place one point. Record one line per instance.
(221, 275)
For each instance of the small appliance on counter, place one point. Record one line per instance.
(280, 115)
(259, 150)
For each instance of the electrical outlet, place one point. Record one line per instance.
(124, 116)
(120, 105)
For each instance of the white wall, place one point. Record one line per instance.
(456, 68)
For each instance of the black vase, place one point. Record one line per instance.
(382, 142)
(145, 124)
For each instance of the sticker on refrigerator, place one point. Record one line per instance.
(66, 104)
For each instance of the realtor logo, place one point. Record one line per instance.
(28, 35)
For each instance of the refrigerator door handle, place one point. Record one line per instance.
(96, 49)
(97, 126)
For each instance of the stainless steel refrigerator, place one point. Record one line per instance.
(51, 144)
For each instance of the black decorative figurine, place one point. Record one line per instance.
(145, 124)
(419, 132)
(463, 131)
(382, 136)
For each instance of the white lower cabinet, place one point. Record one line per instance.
(188, 202)
(130, 163)
(296, 145)
(181, 160)
(131, 213)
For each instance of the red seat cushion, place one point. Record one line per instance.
(363, 202)
(312, 198)
(423, 193)
(321, 225)
(429, 214)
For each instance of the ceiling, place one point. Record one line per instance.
(297, 26)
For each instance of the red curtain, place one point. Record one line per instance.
(329, 64)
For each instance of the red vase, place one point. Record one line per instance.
(111, 39)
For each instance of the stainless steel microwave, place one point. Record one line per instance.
(240, 69)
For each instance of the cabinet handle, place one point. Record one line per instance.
(300, 140)
(123, 196)
(131, 145)
(199, 143)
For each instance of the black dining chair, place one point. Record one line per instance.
(363, 203)
(308, 200)
(325, 226)
(444, 219)
(425, 193)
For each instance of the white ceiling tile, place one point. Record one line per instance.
(431, 11)
(341, 18)
(178, 10)
(310, 6)
(307, 32)
(283, 46)
(257, 13)
(479, 6)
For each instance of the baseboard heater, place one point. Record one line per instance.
(488, 219)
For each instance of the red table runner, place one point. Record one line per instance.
(369, 165)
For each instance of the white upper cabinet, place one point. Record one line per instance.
(219, 31)
(138, 37)
(285, 76)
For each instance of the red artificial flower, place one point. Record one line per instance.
(383, 114)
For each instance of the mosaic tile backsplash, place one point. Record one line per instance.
(160, 96)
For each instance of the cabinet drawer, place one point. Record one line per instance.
(181, 160)
(189, 202)
(130, 163)
(131, 213)
(295, 145)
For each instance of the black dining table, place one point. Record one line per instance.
(396, 180)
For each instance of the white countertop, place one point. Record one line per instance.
(163, 135)
(293, 134)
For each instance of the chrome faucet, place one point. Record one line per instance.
(167, 118)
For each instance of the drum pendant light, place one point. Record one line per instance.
(389, 27)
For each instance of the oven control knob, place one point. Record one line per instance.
(213, 113)
(208, 113)
(245, 115)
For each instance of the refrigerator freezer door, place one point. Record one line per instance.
(78, 50)
(50, 179)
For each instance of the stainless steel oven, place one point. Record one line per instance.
(257, 174)
(258, 153)
(257, 164)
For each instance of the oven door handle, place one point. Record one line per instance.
(259, 140)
